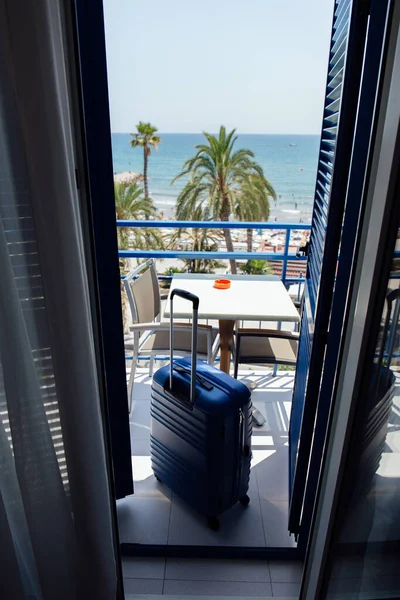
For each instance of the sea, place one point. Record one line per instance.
(289, 163)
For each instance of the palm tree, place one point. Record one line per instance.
(253, 205)
(130, 204)
(257, 267)
(199, 239)
(221, 180)
(144, 138)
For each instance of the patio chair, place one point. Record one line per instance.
(265, 346)
(150, 334)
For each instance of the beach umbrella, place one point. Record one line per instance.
(128, 177)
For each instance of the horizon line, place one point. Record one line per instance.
(214, 132)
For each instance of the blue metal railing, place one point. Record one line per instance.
(237, 255)
(187, 254)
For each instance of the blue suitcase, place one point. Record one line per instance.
(201, 426)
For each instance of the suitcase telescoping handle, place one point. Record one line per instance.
(195, 301)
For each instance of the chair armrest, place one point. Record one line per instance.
(164, 325)
(151, 325)
(276, 333)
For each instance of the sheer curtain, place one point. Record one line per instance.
(57, 528)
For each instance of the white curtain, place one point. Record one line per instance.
(57, 529)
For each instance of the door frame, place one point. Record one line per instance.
(364, 135)
(97, 177)
(376, 243)
(98, 171)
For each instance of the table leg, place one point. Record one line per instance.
(225, 333)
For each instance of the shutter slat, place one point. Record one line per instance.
(21, 248)
(338, 65)
(322, 175)
(321, 212)
(331, 119)
(332, 107)
(329, 133)
(328, 157)
(341, 39)
(336, 80)
(326, 168)
(318, 244)
(330, 143)
(340, 8)
(20, 235)
(323, 189)
(341, 25)
(19, 211)
(340, 53)
(335, 93)
(321, 221)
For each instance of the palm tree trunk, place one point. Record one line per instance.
(229, 247)
(249, 240)
(224, 216)
(145, 181)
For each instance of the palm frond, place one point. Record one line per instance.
(224, 181)
(130, 204)
(145, 137)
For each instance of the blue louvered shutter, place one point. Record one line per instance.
(329, 138)
(339, 117)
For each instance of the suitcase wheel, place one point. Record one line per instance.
(213, 523)
(244, 500)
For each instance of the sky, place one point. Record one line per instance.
(189, 66)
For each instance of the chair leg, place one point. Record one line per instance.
(275, 365)
(236, 357)
(132, 374)
(151, 366)
(214, 349)
(210, 359)
(235, 369)
(131, 381)
(233, 348)
(236, 352)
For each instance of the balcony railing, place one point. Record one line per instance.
(237, 255)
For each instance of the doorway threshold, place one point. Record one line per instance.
(214, 552)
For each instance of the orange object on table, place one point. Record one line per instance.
(222, 284)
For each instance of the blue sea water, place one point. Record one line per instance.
(289, 162)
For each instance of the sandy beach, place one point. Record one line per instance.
(281, 214)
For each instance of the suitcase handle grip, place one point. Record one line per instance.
(195, 301)
(187, 296)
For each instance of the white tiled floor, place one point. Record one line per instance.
(153, 515)
(251, 578)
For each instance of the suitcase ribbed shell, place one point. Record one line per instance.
(203, 452)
